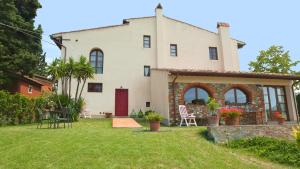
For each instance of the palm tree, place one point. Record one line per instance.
(62, 74)
(69, 70)
(82, 71)
(53, 70)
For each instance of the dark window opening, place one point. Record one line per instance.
(94, 87)
(147, 41)
(213, 53)
(173, 50)
(30, 89)
(146, 70)
(147, 104)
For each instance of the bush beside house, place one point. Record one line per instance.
(17, 109)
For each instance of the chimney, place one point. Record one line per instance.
(228, 58)
(160, 60)
(159, 10)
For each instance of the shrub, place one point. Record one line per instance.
(133, 114)
(147, 112)
(140, 114)
(154, 116)
(296, 133)
(16, 109)
(280, 151)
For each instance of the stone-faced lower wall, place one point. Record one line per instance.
(223, 134)
(217, 91)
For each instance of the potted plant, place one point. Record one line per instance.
(154, 119)
(212, 106)
(108, 115)
(231, 115)
(279, 118)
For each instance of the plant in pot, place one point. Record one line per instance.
(231, 115)
(154, 119)
(108, 115)
(212, 106)
(279, 118)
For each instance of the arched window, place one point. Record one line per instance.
(196, 95)
(235, 96)
(96, 60)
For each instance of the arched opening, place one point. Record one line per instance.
(96, 60)
(196, 95)
(236, 96)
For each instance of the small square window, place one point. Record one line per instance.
(147, 104)
(213, 53)
(146, 70)
(147, 41)
(30, 89)
(94, 87)
(173, 50)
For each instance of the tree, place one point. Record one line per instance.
(83, 71)
(20, 43)
(273, 60)
(70, 67)
(53, 71)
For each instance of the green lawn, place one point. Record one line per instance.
(94, 144)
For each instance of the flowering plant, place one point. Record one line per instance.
(277, 115)
(231, 112)
(296, 133)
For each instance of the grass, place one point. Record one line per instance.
(94, 144)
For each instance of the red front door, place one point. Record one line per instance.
(121, 102)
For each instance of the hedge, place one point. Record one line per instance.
(16, 109)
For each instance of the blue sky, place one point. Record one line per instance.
(259, 23)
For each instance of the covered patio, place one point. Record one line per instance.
(258, 94)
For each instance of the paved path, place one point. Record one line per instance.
(125, 122)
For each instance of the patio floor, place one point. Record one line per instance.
(125, 123)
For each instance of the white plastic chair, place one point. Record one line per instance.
(188, 119)
(86, 114)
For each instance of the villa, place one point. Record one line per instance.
(158, 63)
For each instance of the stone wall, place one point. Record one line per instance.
(222, 134)
(217, 91)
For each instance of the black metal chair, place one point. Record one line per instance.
(42, 118)
(66, 117)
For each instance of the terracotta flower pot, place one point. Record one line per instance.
(281, 120)
(232, 121)
(154, 125)
(213, 120)
(108, 115)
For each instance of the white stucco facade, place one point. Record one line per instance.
(125, 58)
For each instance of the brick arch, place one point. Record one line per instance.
(243, 88)
(206, 87)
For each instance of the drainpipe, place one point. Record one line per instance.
(174, 99)
(296, 103)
